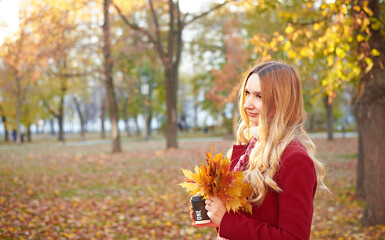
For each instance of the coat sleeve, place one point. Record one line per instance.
(297, 179)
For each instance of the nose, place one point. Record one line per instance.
(248, 103)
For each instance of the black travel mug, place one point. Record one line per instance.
(199, 210)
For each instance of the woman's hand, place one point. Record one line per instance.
(211, 224)
(216, 209)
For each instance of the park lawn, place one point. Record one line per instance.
(50, 191)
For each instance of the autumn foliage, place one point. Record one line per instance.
(225, 87)
(217, 179)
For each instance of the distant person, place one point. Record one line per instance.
(277, 158)
(343, 130)
(14, 135)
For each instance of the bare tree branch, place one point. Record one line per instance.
(50, 110)
(309, 23)
(179, 36)
(218, 6)
(157, 28)
(70, 75)
(171, 31)
(135, 27)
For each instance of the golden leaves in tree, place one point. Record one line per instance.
(375, 52)
(217, 179)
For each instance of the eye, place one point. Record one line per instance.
(247, 93)
(259, 96)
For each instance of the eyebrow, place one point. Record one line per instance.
(252, 92)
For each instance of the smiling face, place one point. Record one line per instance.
(253, 99)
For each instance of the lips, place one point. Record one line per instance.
(252, 114)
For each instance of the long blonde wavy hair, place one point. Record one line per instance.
(281, 121)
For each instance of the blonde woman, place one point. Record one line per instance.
(277, 158)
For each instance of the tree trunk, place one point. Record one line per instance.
(102, 117)
(171, 65)
(137, 125)
(60, 121)
(29, 135)
(125, 116)
(171, 98)
(60, 115)
(370, 105)
(5, 124)
(111, 96)
(360, 190)
(6, 136)
(149, 109)
(146, 132)
(82, 124)
(149, 122)
(18, 110)
(371, 118)
(52, 124)
(148, 118)
(329, 117)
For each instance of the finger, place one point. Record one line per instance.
(208, 207)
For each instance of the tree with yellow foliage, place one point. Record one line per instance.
(344, 43)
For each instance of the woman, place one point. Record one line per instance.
(277, 160)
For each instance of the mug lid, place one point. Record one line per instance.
(196, 198)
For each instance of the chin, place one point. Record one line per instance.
(254, 124)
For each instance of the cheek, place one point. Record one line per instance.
(258, 105)
(248, 102)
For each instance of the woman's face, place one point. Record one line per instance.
(253, 99)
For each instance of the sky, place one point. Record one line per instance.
(9, 14)
(9, 18)
(191, 6)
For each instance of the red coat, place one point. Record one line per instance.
(284, 215)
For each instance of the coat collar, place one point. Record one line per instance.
(238, 151)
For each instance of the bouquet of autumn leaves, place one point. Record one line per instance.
(217, 179)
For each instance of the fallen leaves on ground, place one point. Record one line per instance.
(84, 193)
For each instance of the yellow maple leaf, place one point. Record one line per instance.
(217, 179)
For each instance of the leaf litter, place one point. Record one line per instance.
(85, 193)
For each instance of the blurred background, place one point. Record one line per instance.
(156, 82)
(183, 79)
